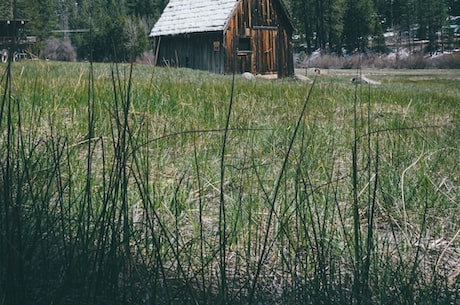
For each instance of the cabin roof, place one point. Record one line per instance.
(193, 16)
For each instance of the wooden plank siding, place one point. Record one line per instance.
(256, 39)
(270, 38)
(195, 51)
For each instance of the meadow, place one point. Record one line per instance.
(129, 184)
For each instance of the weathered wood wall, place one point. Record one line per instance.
(270, 36)
(202, 51)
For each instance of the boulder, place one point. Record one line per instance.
(302, 78)
(248, 76)
(364, 80)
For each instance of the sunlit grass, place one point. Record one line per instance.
(368, 193)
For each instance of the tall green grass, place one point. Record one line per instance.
(131, 184)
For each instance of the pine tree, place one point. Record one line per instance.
(43, 18)
(431, 15)
(6, 9)
(359, 20)
(321, 23)
(304, 17)
(117, 31)
(335, 24)
(453, 7)
(10, 9)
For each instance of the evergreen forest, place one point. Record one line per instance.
(119, 28)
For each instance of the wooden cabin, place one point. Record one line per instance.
(224, 36)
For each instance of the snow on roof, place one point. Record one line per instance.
(194, 16)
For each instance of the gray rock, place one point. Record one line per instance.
(364, 80)
(248, 76)
(302, 78)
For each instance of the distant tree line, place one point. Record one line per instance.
(338, 26)
(118, 29)
(101, 30)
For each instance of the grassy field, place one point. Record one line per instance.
(140, 185)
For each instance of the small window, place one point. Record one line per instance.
(244, 44)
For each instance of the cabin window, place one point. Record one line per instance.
(244, 44)
(216, 46)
